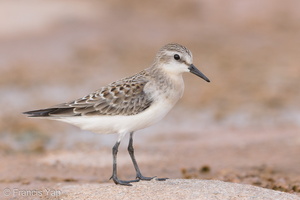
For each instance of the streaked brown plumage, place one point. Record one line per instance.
(131, 103)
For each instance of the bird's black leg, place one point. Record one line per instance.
(114, 175)
(138, 172)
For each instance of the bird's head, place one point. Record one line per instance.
(176, 59)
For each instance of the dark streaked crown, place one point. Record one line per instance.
(176, 48)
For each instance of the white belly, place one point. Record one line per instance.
(122, 124)
(164, 102)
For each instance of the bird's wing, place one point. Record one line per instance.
(124, 97)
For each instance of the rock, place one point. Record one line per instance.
(173, 189)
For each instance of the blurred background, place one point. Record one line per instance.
(54, 51)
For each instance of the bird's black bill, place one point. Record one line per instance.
(196, 71)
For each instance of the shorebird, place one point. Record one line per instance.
(131, 103)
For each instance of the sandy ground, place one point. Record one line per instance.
(175, 189)
(265, 158)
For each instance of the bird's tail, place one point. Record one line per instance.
(49, 112)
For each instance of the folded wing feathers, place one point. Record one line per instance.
(126, 98)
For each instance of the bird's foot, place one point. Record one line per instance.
(145, 178)
(161, 179)
(122, 182)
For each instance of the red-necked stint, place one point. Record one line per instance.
(129, 104)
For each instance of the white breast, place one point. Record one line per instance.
(163, 102)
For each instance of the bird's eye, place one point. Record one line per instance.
(176, 57)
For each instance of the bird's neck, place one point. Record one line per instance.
(171, 85)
